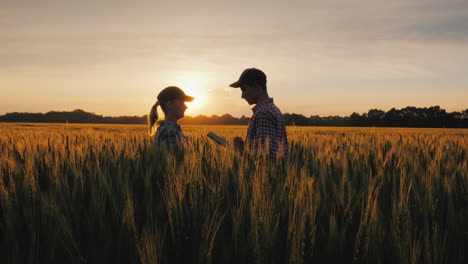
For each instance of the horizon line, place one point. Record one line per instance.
(79, 109)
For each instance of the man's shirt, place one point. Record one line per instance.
(267, 129)
(169, 134)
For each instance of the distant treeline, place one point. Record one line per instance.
(410, 116)
(76, 116)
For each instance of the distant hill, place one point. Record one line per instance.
(410, 116)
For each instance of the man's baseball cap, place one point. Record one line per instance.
(173, 92)
(250, 76)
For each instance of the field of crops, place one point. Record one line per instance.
(102, 194)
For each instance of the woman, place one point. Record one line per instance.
(172, 101)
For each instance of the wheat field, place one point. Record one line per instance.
(101, 194)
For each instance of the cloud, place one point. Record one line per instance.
(308, 42)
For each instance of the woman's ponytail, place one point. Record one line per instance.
(153, 117)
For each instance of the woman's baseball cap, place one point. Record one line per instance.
(173, 92)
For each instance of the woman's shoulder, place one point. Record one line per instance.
(168, 129)
(169, 134)
(168, 126)
(165, 129)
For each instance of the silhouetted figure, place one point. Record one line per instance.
(172, 101)
(267, 128)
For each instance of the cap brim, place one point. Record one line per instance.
(236, 84)
(188, 98)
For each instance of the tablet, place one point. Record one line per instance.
(218, 139)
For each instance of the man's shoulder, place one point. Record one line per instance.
(270, 111)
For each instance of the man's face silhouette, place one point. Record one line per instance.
(250, 93)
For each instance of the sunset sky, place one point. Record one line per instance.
(321, 57)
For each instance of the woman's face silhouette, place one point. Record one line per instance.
(176, 108)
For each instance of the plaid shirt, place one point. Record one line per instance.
(169, 134)
(267, 126)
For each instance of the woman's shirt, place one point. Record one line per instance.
(169, 134)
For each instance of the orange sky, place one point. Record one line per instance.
(333, 58)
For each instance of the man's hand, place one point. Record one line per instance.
(238, 145)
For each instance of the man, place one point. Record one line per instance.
(266, 129)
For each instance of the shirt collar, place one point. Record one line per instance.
(169, 123)
(262, 104)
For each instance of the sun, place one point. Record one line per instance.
(193, 85)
